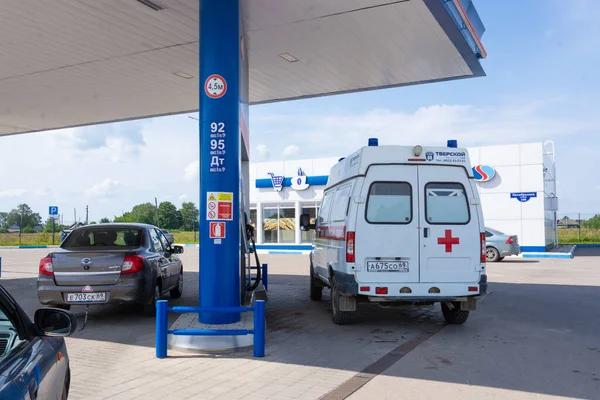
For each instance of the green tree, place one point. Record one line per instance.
(57, 227)
(29, 218)
(3, 219)
(592, 223)
(143, 213)
(104, 220)
(189, 216)
(168, 216)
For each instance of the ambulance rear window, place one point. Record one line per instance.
(446, 203)
(389, 203)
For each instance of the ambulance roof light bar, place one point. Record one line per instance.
(452, 143)
(373, 142)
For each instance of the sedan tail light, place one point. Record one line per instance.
(132, 264)
(511, 240)
(46, 267)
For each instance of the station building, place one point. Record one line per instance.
(517, 185)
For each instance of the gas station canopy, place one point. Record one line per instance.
(75, 62)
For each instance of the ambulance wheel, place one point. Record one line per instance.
(338, 317)
(456, 316)
(316, 288)
(492, 255)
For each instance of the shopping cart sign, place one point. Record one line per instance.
(277, 181)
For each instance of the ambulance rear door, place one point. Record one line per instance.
(387, 236)
(450, 233)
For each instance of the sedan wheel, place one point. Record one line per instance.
(492, 255)
(66, 385)
(150, 309)
(178, 290)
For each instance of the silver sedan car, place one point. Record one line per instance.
(500, 245)
(111, 263)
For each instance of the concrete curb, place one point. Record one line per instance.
(570, 254)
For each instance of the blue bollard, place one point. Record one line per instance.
(265, 276)
(259, 328)
(162, 326)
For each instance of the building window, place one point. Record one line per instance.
(287, 224)
(312, 210)
(253, 217)
(279, 223)
(270, 223)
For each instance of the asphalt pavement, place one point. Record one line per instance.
(535, 335)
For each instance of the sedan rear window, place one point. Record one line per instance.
(107, 237)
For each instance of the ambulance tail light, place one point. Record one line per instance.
(483, 249)
(381, 290)
(350, 247)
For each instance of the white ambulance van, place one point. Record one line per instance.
(400, 225)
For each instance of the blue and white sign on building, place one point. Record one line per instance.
(484, 173)
(523, 197)
(53, 210)
(299, 181)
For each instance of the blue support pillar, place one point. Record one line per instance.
(259, 328)
(220, 154)
(162, 325)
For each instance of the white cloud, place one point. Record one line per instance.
(263, 151)
(103, 189)
(291, 150)
(12, 192)
(434, 125)
(192, 171)
(183, 197)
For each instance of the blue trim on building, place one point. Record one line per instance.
(284, 246)
(320, 180)
(446, 21)
(460, 24)
(474, 17)
(533, 249)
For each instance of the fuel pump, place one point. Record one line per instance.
(247, 248)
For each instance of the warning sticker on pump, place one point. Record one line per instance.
(387, 266)
(219, 206)
(225, 196)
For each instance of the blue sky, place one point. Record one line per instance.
(541, 84)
